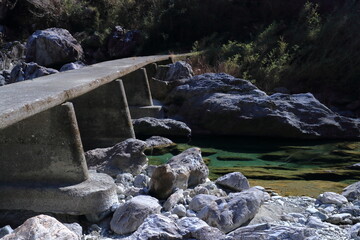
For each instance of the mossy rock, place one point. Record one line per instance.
(206, 160)
(278, 156)
(297, 148)
(159, 150)
(233, 158)
(207, 152)
(347, 153)
(349, 146)
(179, 148)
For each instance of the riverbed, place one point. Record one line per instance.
(287, 167)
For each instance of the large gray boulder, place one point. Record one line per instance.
(42, 227)
(27, 71)
(126, 156)
(129, 216)
(159, 227)
(53, 47)
(182, 171)
(221, 104)
(149, 126)
(235, 181)
(352, 192)
(231, 212)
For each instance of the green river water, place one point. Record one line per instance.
(287, 167)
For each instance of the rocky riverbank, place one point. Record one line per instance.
(176, 200)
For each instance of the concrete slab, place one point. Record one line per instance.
(103, 116)
(95, 195)
(24, 99)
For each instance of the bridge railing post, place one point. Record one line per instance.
(43, 168)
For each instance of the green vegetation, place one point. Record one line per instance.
(311, 52)
(302, 45)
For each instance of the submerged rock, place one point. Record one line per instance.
(129, 216)
(53, 46)
(221, 104)
(149, 126)
(42, 227)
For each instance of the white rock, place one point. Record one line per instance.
(354, 232)
(174, 199)
(235, 181)
(42, 227)
(231, 212)
(129, 216)
(332, 198)
(200, 201)
(141, 181)
(159, 227)
(195, 228)
(179, 210)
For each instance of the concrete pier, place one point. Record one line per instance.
(42, 164)
(43, 168)
(103, 116)
(139, 95)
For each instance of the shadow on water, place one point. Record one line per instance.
(290, 167)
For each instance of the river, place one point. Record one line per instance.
(287, 167)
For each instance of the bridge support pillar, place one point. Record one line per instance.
(139, 95)
(43, 168)
(103, 116)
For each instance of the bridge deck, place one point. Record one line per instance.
(24, 99)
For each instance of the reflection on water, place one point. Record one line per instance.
(286, 166)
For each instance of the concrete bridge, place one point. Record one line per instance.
(46, 123)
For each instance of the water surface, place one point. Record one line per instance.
(285, 166)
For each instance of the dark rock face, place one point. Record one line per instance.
(149, 126)
(123, 43)
(27, 71)
(53, 46)
(221, 104)
(5, 7)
